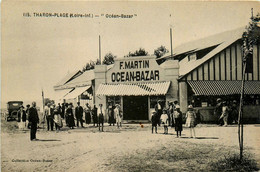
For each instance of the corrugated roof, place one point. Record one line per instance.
(83, 79)
(134, 89)
(67, 78)
(224, 87)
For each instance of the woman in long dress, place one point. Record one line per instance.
(57, 118)
(191, 120)
(178, 120)
(71, 120)
(87, 111)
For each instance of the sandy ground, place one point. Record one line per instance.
(89, 150)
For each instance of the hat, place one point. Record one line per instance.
(190, 107)
(28, 105)
(234, 101)
(21, 106)
(177, 107)
(219, 99)
(78, 103)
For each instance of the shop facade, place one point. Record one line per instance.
(136, 84)
(211, 68)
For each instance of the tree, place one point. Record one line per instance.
(160, 51)
(250, 37)
(48, 100)
(109, 59)
(140, 52)
(90, 65)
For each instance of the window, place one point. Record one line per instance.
(192, 57)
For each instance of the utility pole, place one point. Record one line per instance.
(171, 36)
(99, 49)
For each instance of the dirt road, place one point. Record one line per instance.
(89, 150)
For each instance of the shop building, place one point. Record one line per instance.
(197, 73)
(136, 83)
(211, 68)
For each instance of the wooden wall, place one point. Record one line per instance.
(227, 65)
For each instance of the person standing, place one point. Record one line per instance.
(224, 115)
(79, 115)
(49, 116)
(33, 120)
(154, 121)
(27, 115)
(57, 118)
(100, 112)
(191, 120)
(62, 110)
(234, 112)
(66, 116)
(94, 115)
(69, 112)
(171, 112)
(21, 118)
(164, 121)
(158, 109)
(87, 111)
(111, 117)
(178, 120)
(218, 111)
(118, 115)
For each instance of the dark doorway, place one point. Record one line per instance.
(135, 108)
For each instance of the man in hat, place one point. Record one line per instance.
(100, 114)
(33, 120)
(218, 111)
(158, 108)
(79, 115)
(49, 116)
(234, 113)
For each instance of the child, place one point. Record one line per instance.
(178, 120)
(154, 121)
(224, 114)
(164, 121)
(191, 120)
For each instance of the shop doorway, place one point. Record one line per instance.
(135, 108)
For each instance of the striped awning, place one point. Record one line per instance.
(208, 88)
(134, 89)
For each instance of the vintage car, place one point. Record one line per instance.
(12, 108)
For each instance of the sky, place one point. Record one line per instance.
(37, 52)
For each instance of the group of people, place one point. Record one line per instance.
(23, 117)
(227, 114)
(54, 115)
(172, 116)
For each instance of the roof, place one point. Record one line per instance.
(76, 92)
(221, 41)
(68, 78)
(224, 87)
(82, 80)
(134, 89)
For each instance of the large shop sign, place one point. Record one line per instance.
(135, 70)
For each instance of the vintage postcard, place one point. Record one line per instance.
(130, 86)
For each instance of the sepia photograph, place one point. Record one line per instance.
(130, 86)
